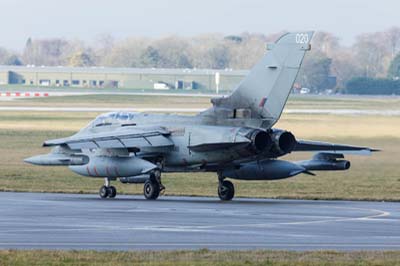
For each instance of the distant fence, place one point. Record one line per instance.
(24, 94)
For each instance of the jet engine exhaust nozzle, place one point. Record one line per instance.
(261, 140)
(285, 142)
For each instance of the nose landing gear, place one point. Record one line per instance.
(153, 187)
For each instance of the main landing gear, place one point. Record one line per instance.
(107, 191)
(226, 190)
(153, 187)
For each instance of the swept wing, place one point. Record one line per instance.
(126, 138)
(318, 146)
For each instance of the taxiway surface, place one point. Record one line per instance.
(73, 221)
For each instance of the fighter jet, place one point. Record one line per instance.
(235, 138)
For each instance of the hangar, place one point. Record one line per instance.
(132, 78)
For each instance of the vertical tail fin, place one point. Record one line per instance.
(264, 91)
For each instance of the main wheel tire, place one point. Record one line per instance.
(104, 192)
(112, 192)
(151, 190)
(226, 190)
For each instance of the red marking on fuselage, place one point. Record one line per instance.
(262, 102)
(88, 171)
(95, 171)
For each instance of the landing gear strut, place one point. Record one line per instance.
(107, 191)
(153, 187)
(226, 190)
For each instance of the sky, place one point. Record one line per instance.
(89, 19)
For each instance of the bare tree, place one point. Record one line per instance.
(393, 37)
(49, 52)
(126, 53)
(205, 48)
(326, 43)
(82, 58)
(174, 52)
(246, 53)
(372, 54)
(345, 67)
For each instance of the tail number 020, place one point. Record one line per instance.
(302, 38)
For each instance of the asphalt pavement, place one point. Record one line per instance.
(74, 221)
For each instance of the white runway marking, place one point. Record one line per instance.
(207, 228)
(68, 221)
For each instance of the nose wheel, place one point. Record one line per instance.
(153, 187)
(107, 191)
(226, 190)
(151, 190)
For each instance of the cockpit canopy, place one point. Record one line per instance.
(113, 118)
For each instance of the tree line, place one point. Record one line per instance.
(372, 56)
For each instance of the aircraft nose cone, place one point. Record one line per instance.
(32, 160)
